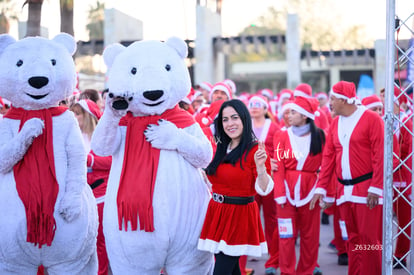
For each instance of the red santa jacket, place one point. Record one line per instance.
(98, 173)
(268, 132)
(296, 177)
(403, 148)
(354, 147)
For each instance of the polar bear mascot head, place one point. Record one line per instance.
(157, 82)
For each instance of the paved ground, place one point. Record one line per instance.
(327, 257)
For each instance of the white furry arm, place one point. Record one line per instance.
(75, 181)
(13, 148)
(190, 142)
(106, 138)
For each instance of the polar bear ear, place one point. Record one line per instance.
(178, 45)
(5, 41)
(111, 52)
(66, 41)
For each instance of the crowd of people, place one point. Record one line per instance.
(292, 155)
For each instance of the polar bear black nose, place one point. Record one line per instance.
(153, 95)
(38, 81)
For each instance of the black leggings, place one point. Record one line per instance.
(226, 265)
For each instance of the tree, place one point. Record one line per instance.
(66, 16)
(95, 27)
(321, 25)
(34, 16)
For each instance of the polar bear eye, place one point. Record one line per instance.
(19, 63)
(168, 67)
(133, 70)
(53, 62)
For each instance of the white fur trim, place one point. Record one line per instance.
(281, 200)
(232, 250)
(374, 104)
(221, 88)
(284, 95)
(356, 199)
(375, 190)
(300, 93)
(322, 95)
(329, 199)
(351, 100)
(100, 200)
(268, 189)
(92, 161)
(261, 100)
(85, 106)
(265, 130)
(320, 191)
(299, 109)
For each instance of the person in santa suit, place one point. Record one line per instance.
(354, 151)
(298, 152)
(323, 105)
(240, 169)
(305, 90)
(265, 129)
(88, 113)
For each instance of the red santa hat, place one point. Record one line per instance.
(266, 92)
(402, 99)
(258, 101)
(206, 86)
(372, 101)
(344, 90)
(285, 93)
(305, 106)
(90, 107)
(231, 84)
(1, 103)
(321, 95)
(221, 86)
(304, 90)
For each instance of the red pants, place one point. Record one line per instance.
(270, 227)
(364, 228)
(307, 223)
(402, 210)
(340, 244)
(100, 245)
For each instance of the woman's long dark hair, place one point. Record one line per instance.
(317, 138)
(247, 141)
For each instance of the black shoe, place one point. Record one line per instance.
(317, 271)
(400, 264)
(343, 259)
(325, 218)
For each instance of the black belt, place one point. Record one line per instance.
(232, 200)
(96, 183)
(356, 180)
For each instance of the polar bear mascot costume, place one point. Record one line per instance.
(48, 214)
(156, 198)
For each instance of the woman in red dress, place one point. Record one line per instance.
(240, 169)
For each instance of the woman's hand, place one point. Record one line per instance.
(260, 157)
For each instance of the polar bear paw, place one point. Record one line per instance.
(164, 136)
(70, 207)
(32, 129)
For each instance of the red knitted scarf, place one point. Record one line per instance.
(35, 176)
(139, 169)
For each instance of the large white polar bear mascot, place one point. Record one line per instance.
(48, 213)
(156, 199)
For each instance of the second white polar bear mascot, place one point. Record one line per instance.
(156, 198)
